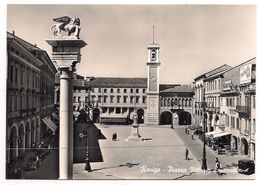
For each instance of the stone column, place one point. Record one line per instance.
(66, 125)
(66, 54)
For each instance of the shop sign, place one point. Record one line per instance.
(246, 74)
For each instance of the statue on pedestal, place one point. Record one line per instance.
(67, 24)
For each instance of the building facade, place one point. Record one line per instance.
(238, 107)
(176, 105)
(115, 99)
(30, 87)
(230, 96)
(207, 88)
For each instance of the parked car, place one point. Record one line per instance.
(221, 151)
(41, 153)
(190, 129)
(33, 163)
(246, 166)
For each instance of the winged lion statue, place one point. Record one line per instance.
(67, 24)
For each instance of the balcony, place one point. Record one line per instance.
(243, 109)
(213, 109)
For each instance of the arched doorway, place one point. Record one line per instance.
(140, 115)
(20, 141)
(184, 118)
(166, 118)
(234, 142)
(33, 126)
(38, 127)
(13, 144)
(27, 135)
(96, 115)
(244, 146)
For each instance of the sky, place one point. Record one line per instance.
(193, 39)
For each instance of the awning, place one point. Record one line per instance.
(217, 133)
(55, 115)
(49, 124)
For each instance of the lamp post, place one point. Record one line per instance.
(204, 159)
(202, 106)
(86, 84)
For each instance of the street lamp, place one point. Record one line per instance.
(86, 84)
(203, 106)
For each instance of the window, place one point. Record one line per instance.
(99, 98)
(105, 99)
(254, 128)
(74, 99)
(238, 124)
(218, 83)
(22, 77)
(137, 90)
(111, 90)
(144, 90)
(137, 99)
(78, 99)
(131, 90)
(125, 90)
(253, 101)
(111, 99)
(131, 99)
(118, 90)
(99, 90)
(105, 90)
(125, 99)
(144, 99)
(118, 99)
(74, 108)
(118, 110)
(15, 102)
(16, 74)
(10, 103)
(11, 73)
(28, 77)
(232, 122)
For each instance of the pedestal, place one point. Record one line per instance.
(135, 136)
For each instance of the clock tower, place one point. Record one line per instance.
(152, 113)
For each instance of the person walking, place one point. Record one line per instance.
(187, 154)
(217, 166)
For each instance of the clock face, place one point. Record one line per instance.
(153, 78)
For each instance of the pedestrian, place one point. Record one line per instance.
(187, 154)
(217, 166)
(114, 136)
(192, 136)
(18, 173)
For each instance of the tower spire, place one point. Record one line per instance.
(153, 34)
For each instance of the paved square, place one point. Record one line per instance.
(160, 156)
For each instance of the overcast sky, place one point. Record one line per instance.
(193, 39)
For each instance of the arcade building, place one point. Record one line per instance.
(30, 97)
